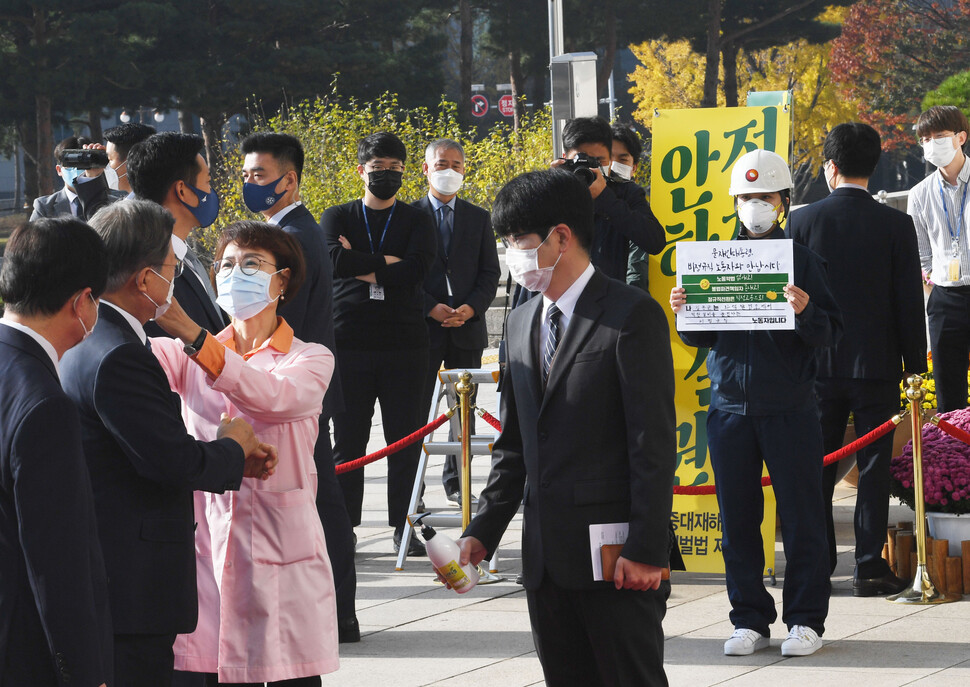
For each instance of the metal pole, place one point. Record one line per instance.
(464, 389)
(612, 93)
(922, 591)
(555, 29)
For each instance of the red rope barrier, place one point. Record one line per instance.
(396, 446)
(490, 419)
(952, 430)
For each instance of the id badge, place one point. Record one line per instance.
(377, 291)
(953, 269)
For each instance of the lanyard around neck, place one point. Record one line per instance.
(954, 238)
(370, 237)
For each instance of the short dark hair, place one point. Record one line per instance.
(285, 149)
(583, 130)
(124, 136)
(137, 234)
(941, 118)
(156, 163)
(69, 143)
(534, 202)
(854, 147)
(381, 144)
(625, 134)
(47, 261)
(286, 250)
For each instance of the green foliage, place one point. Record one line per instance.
(330, 128)
(954, 91)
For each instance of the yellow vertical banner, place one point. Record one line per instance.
(692, 155)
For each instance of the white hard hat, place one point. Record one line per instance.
(760, 171)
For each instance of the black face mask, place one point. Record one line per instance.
(384, 183)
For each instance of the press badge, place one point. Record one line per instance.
(376, 292)
(953, 269)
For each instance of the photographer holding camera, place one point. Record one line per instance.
(622, 214)
(80, 163)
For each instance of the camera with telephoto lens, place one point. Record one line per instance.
(582, 165)
(84, 159)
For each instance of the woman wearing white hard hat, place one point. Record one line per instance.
(763, 409)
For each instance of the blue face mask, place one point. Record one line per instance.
(261, 198)
(208, 208)
(243, 295)
(70, 174)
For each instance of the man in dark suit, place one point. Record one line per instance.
(143, 463)
(574, 463)
(55, 624)
(272, 172)
(118, 142)
(85, 191)
(168, 169)
(462, 280)
(874, 275)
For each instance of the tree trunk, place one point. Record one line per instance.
(94, 124)
(713, 53)
(609, 52)
(465, 63)
(518, 86)
(185, 120)
(212, 133)
(18, 186)
(45, 146)
(729, 57)
(28, 140)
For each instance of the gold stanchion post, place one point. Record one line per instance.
(922, 591)
(464, 389)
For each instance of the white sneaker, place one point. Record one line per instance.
(744, 642)
(802, 641)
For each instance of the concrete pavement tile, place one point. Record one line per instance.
(521, 671)
(957, 676)
(804, 676)
(702, 675)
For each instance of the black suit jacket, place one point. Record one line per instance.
(596, 447)
(471, 265)
(144, 467)
(310, 312)
(93, 194)
(55, 622)
(874, 275)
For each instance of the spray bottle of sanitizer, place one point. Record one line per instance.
(444, 555)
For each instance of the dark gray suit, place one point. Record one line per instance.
(93, 195)
(596, 446)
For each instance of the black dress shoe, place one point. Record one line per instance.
(877, 586)
(455, 497)
(348, 630)
(415, 548)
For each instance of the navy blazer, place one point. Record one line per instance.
(310, 312)
(55, 623)
(144, 466)
(874, 275)
(597, 445)
(471, 266)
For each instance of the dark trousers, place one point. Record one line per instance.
(144, 660)
(790, 445)
(601, 637)
(948, 316)
(397, 380)
(453, 358)
(871, 403)
(336, 524)
(212, 680)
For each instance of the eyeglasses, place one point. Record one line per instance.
(249, 266)
(394, 167)
(179, 266)
(936, 137)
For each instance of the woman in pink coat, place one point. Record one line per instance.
(266, 595)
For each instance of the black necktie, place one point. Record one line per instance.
(552, 341)
(445, 222)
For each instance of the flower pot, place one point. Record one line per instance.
(953, 527)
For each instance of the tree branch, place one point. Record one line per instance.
(770, 20)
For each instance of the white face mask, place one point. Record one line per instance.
(524, 267)
(446, 181)
(758, 216)
(939, 152)
(69, 174)
(111, 176)
(87, 332)
(162, 308)
(621, 170)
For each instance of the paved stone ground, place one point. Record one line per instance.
(417, 633)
